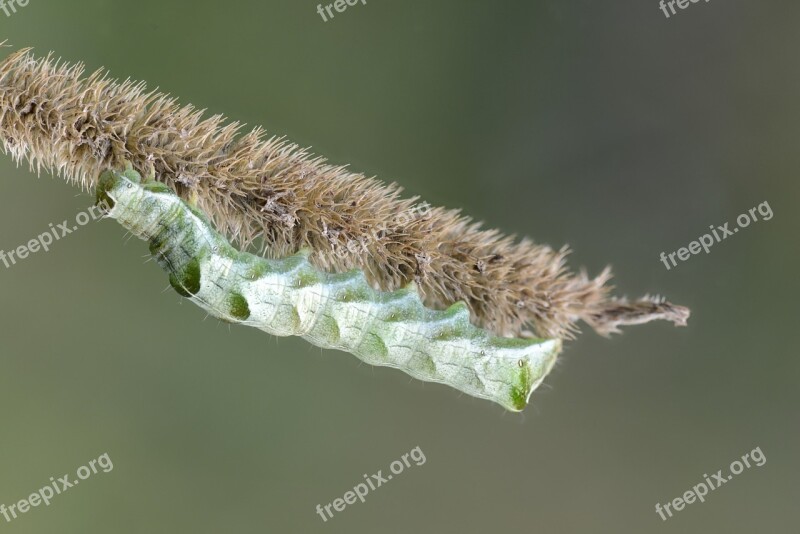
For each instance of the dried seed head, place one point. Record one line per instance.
(267, 190)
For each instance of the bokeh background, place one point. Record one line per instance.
(599, 124)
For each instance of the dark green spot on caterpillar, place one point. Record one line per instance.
(187, 283)
(326, 331)
(238, 306)
(255, 270)
(157, 242)
(105, 183)
(519, 391)
(306, 278)
(156, 187)
(424, 362)
(373, 349)
(353, 294)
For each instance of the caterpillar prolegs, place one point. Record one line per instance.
(290, 297)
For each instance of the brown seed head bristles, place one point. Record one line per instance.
(267, 190)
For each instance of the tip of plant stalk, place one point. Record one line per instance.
(621, 312)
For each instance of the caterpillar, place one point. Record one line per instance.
(290, 297)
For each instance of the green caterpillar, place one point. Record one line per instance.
(290, 297)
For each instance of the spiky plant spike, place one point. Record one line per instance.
(257, 188)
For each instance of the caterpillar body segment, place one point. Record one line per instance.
(291, 297)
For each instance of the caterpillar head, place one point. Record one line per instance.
(110, 180)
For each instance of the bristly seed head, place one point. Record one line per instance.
(271, 191)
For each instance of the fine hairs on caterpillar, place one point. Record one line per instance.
(268, 190)
(290, 297)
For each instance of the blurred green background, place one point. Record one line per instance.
(598, 124)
